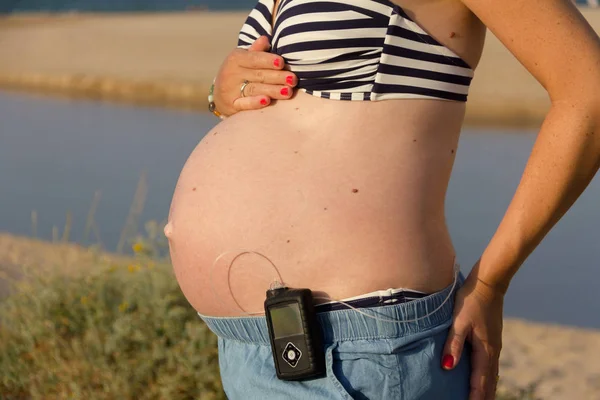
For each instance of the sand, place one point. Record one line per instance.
(166, 59)
(170, 59)
(564, 362)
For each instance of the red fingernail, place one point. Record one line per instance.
(290, 80)
(263, 101)
(276, 62)
(448, 361)
(285, 91)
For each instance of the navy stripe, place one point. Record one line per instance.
(404, 33)
(331, 86)
(399, 11)
(331, 26)
(241, 43)
(420, 55)
(266, 13)
(256, 25)
(325, 7)
(324, 74)
(385, 3)
(442, 94)
(331, 44)
(354, 55)
(424, 74)
(246, 37)
(339, 83)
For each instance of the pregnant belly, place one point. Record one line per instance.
(338, 212)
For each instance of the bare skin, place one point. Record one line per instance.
(300, 185)
(270, 158)
(348, 197)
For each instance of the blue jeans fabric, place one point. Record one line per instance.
(365, 358)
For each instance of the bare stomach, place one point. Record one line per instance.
(342, 198)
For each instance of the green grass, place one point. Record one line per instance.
(118, 332)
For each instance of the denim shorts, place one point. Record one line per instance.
(365, 358)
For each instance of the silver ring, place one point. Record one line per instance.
(243, 87)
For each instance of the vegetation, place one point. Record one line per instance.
(119, 330)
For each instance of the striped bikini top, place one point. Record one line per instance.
(358, 50)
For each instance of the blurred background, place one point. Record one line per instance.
(101, 102)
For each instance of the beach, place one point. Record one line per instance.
(170, 59)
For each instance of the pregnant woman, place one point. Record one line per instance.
(340, 189)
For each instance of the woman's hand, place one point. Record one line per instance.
(477, 318)
(264, 72)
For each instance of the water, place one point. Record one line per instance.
(124, 5)
(139, 5)
(54, 154)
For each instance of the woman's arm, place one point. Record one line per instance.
(562, 51)
(557, 45)
(265, 73)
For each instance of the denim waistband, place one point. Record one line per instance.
(341, 325)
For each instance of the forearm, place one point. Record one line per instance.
(564, 159)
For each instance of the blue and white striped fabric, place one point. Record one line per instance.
(358, 50)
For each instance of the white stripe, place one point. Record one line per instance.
(246, 37)
(315, 36)
(396, 96)
(367, 87)
(249, 31)
(317, 17)
(260, 18)
(382, 9)
(426, 65)
(364, 88)
(419, 46)
(369, 69)
(334, 65)
(312, 57)
(356, 96)
(386, 79)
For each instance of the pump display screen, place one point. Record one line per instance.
(286, 321)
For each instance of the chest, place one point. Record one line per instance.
(449, 22)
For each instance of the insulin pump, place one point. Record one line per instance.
(294, 334)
